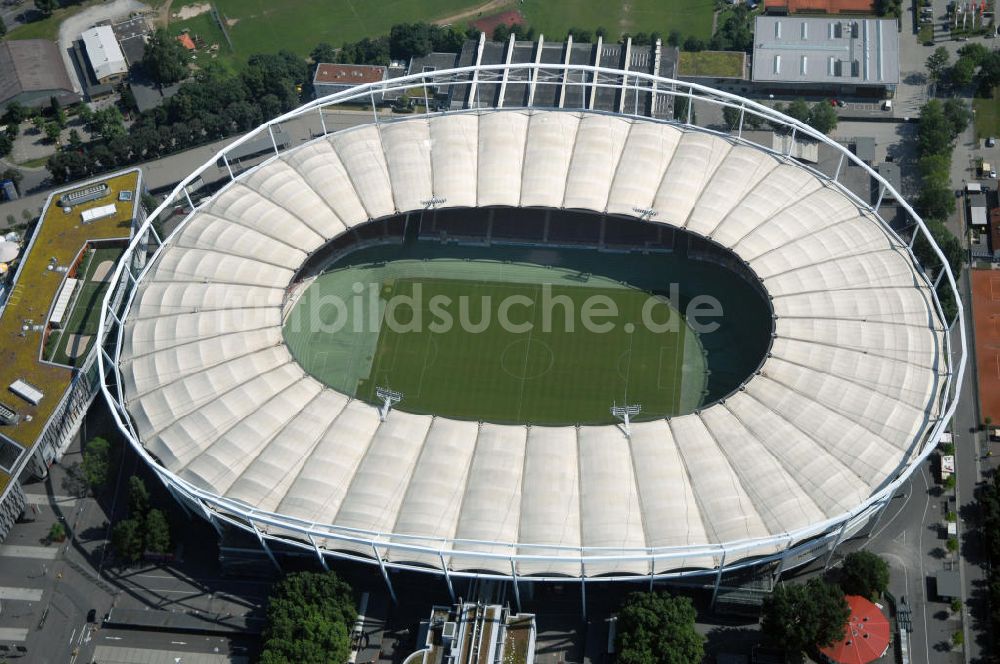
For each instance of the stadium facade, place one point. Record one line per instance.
(855, 392)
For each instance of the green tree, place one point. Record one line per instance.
(157, 537)
(960, 73)
(864, 573)
(694, 44)
(802, 616)
(57, 533)
(957, 114)
(657, 628)
(3, 27)
(822, 117)
(937, 62)
(15, 113)
(323, 52)
(952, 543)
(681, 110)
(731, 116)
(309, 617)
(52, 131)
(96, 465)
(799, 110)
(46, 7)
(164, 58)
(126, 538)
(138, 497)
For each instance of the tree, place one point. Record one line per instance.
(952, 543)
(801, 616)
(937, 62)
(864, 573)
(75, 142)
(157, 532)
(3, 27)
(52, 131)
(960, 73)
(681, 110)
(323, 52)
(46, 6)
(309, 617)
(657, 628)
(957, 114)
(126, 538)
(164, 58)
(96, 463)
(798, 110)
(57, 533)
(822, 117)
(15, 113)
(694, 44)
(6, 144)
(138, 497)
(731, 116)
(674, 38)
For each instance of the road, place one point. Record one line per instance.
(170, 170)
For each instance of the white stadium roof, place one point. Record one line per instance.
(839, 408)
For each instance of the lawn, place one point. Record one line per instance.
(555, 17)
(47, 28)
(715, 64)
(86, 313)
(258, 26)
(987, 115)
(546, 373)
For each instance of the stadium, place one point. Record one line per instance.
(761, 442)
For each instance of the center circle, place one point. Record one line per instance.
(527, 358)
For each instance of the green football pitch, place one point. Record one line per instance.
(483, 341)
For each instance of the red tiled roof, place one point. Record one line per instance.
(822, 6)
(186, 41)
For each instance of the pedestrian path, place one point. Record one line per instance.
(13, 634)
(38, 552)
(122, 655)
(22, 594)
(45, 499)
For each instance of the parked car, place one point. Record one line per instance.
(990, 141)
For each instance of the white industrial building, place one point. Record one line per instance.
(105, 56)
(851, 397)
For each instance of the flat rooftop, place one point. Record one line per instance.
(59, 236)
(840, 51)
(333, 74)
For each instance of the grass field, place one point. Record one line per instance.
(546, 373)
(86, 313)
(721, 64)
(987, 115)
(257, 26)
(555, 17)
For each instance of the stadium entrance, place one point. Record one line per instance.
(552, 329)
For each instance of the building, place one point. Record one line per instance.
(807, 452)
(131, 36)
(574, 89)
(469, 633)
(32, 72)
(784, 7)
(811, 56)
(105, 57)
(331, 78)
(48, 367)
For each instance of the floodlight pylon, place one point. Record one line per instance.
(625, 413)
(389, 399)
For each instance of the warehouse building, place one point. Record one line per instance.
(826, 56)
(105, 56)
(32, 72)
